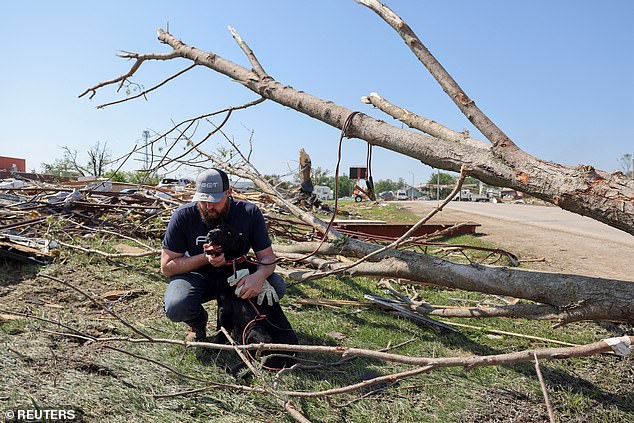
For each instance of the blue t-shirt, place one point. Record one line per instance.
(186, 232)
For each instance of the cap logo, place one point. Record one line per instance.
(211, 185)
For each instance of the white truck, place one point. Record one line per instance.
(323, 192)
(466, 195)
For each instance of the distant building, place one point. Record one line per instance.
(413, 192)
(13, 167)
(12, 164)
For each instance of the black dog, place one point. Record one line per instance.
(246, 321)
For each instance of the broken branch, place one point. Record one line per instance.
(140, 58)
(448, 84)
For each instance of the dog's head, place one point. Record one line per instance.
(225, 239)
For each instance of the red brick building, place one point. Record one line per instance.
(12, 164)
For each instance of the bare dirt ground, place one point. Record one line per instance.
(567, 242)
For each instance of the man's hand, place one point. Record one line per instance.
(250, 286)
(214, 258)
(239, 275)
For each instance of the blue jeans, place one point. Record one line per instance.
(186, 293)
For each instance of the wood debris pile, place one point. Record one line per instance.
(37, 218)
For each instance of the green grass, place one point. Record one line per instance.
(389, 212)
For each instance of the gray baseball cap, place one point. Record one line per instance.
(211, 186)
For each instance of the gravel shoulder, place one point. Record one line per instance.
(567, 242)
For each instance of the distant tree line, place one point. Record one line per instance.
(322, 176)
(99, 156)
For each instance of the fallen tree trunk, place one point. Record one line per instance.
(608, 198)
(577, 297)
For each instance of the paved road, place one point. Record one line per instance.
(569, 243)
(550, 218)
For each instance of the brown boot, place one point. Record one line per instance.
(197, 331)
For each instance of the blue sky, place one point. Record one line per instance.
(556, 76)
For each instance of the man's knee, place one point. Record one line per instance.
(181, 311)
(278, 283)
(179, 303)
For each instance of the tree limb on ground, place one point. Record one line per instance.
(576, 297)
(619, 345)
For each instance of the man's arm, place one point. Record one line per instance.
(252, 284)
(176, 263)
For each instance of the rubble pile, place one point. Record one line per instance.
(38, 219)
(35, 219)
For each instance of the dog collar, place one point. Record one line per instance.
(238, 260)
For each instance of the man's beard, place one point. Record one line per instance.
(212, 221)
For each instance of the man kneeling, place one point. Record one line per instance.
(196, 277)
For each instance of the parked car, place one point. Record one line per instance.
(466, 195)
(387, 196)
(323, 192)
(401, 195)
(176, 184)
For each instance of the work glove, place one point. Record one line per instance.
(234, 279)
(269, 292)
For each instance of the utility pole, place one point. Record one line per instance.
(437, 185)
(146, 138)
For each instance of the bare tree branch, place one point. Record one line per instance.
(110, 255)
(284, 402)
(423, 124)
(522, 311)
(448, 84)
(166, 161)
(425, 364)
(551, 415)
(98, 156)
(140, 58)
(143, 93)
(577, 297)
(257, 67)
(71, 155)
(97, 303)
(622, 346)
